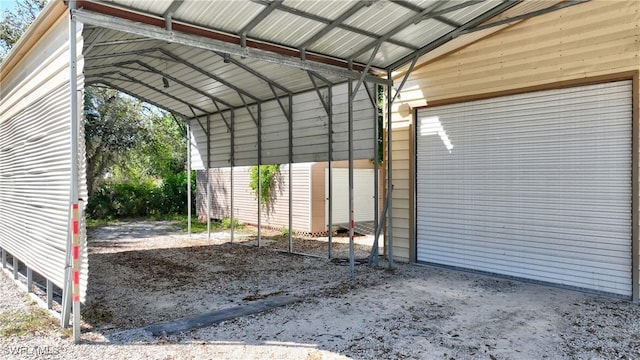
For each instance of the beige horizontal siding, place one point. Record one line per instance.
(596, 38)
(245, 204)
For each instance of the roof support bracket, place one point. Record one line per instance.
(366, 69)
(404, 79)
(325, 102)
(253, 117)
(222, 116)
(285, 110)
(200, 123)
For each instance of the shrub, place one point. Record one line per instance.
(138, 199)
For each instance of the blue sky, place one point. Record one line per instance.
(6, 4)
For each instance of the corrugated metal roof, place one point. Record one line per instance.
(332, 32)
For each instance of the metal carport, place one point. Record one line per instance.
(239, 73)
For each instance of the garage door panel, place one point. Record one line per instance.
(534, 185)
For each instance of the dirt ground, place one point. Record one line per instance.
(143, 273)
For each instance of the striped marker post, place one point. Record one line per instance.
(75, 269)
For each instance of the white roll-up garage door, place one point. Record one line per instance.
(535, 186)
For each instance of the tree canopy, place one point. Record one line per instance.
(128, 140)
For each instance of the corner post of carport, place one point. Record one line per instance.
(71, 291)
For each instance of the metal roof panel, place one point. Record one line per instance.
(284, 28)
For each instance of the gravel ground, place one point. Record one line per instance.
(143, 273)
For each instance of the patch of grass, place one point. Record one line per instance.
(182, 221)
(284, 231)
(226, 224)
(20, 324)
(97, 223)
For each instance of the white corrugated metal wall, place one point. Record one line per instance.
(536, 185)
(310, 132)
(35, 157)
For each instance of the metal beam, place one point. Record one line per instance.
(343, 26)
(123, 90)
(173, 7)
(290, 120)
(286, 113)
(168, 14)
(352, 271)
(417, 8)
(373, 56)
(95, 40)
(404, 79)
(505, 5)
(324, 102)
(134, 80)
(188, 129)
(254, 73)
(122, 42)
(555, 7)
(208, 191)
(259, 131)
(154, 70)
(182, 61)
(334, 23)
(427, 13)
(389, 203)
(253, 117)
(206, 43)
(256, 20)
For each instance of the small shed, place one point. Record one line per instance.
(310, 195)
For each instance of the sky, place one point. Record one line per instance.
(6, 4)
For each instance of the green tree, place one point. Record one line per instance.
(15, 21)
(114, 125)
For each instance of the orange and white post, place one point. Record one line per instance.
(75, 270)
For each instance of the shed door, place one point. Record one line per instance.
(536, 186)
(363, 196)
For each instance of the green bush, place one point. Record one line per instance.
(140, 199)
(268, 178)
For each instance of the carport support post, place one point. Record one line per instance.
(389, 237)
(233, 163)
(351, 217)
(188, 127)
(290, 172)
(259, 173)
(208, 182)
(376, 180)
(330, 170)
(71, 295)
